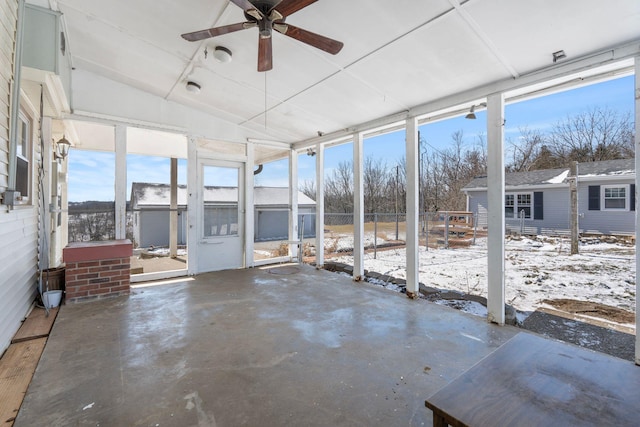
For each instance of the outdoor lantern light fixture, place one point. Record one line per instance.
(193, 87)
(472, 114)
(61, 148)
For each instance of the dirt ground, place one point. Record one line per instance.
(592, 309)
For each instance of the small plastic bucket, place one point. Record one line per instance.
(51, 299)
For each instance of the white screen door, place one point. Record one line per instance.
(221, 219)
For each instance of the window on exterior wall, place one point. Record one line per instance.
(615, 198)
(516, 203)
(509, 204)
(23, 154)
(524, 205)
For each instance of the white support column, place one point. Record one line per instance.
(637, 141)
(358, 207)
(249, 227)
(413, 263)
(319, 205)
(293, 201)
(121, 181)
(192, 205)
(173, 209)
(495, 210)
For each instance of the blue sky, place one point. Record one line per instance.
(91, 174)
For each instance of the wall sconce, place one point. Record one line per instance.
(61, 148)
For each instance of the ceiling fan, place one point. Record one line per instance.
(269, 15)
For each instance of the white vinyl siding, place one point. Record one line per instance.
(18, 227)
(8, 19)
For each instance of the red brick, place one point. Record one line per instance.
(119, 288)
(111, 261)
(85, 264)
(121, 267)
(99, 291)
(78, 270)
(88, 276)
(77, 294)
(90, 287)
(110, 273)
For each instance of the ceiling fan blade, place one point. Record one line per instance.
(316, 40)
(212, 32)
(265, 54)
(289, 7)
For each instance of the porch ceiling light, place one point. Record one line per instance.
(62, 148)
(193, 87)
(222, 54)
(472, 114)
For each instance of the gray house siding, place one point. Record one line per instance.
(602, 221)
(153, 228)
(555, 212)
(273, 224)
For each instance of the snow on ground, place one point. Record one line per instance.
(165, 252)
(535, 269)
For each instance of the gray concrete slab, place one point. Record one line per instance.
(249, 347)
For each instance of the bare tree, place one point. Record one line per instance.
(597, 134)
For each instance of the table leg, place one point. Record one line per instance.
(438, 420)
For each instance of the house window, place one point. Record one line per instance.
(614, 197)
(509, 205)
(516, 203)
(524, 205)
(23, 154)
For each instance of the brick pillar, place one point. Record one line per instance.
(97, 269)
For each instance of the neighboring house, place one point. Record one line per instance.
(150, 207)
(538, 202)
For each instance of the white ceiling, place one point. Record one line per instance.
(397, 54)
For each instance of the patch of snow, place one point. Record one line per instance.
(536, 269)
(471, 307)
(559, 179)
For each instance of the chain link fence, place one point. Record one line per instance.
(388, 231)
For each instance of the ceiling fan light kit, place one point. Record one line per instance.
(269, 15)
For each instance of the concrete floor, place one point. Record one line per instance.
(288, 346)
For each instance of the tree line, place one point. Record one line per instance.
(593, 135)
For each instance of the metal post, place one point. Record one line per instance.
(375, 236)
(446, 230)
(426, 230)
(475, 227)
(300, 247)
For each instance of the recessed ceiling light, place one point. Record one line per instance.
(193, 87)
(222, 54)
